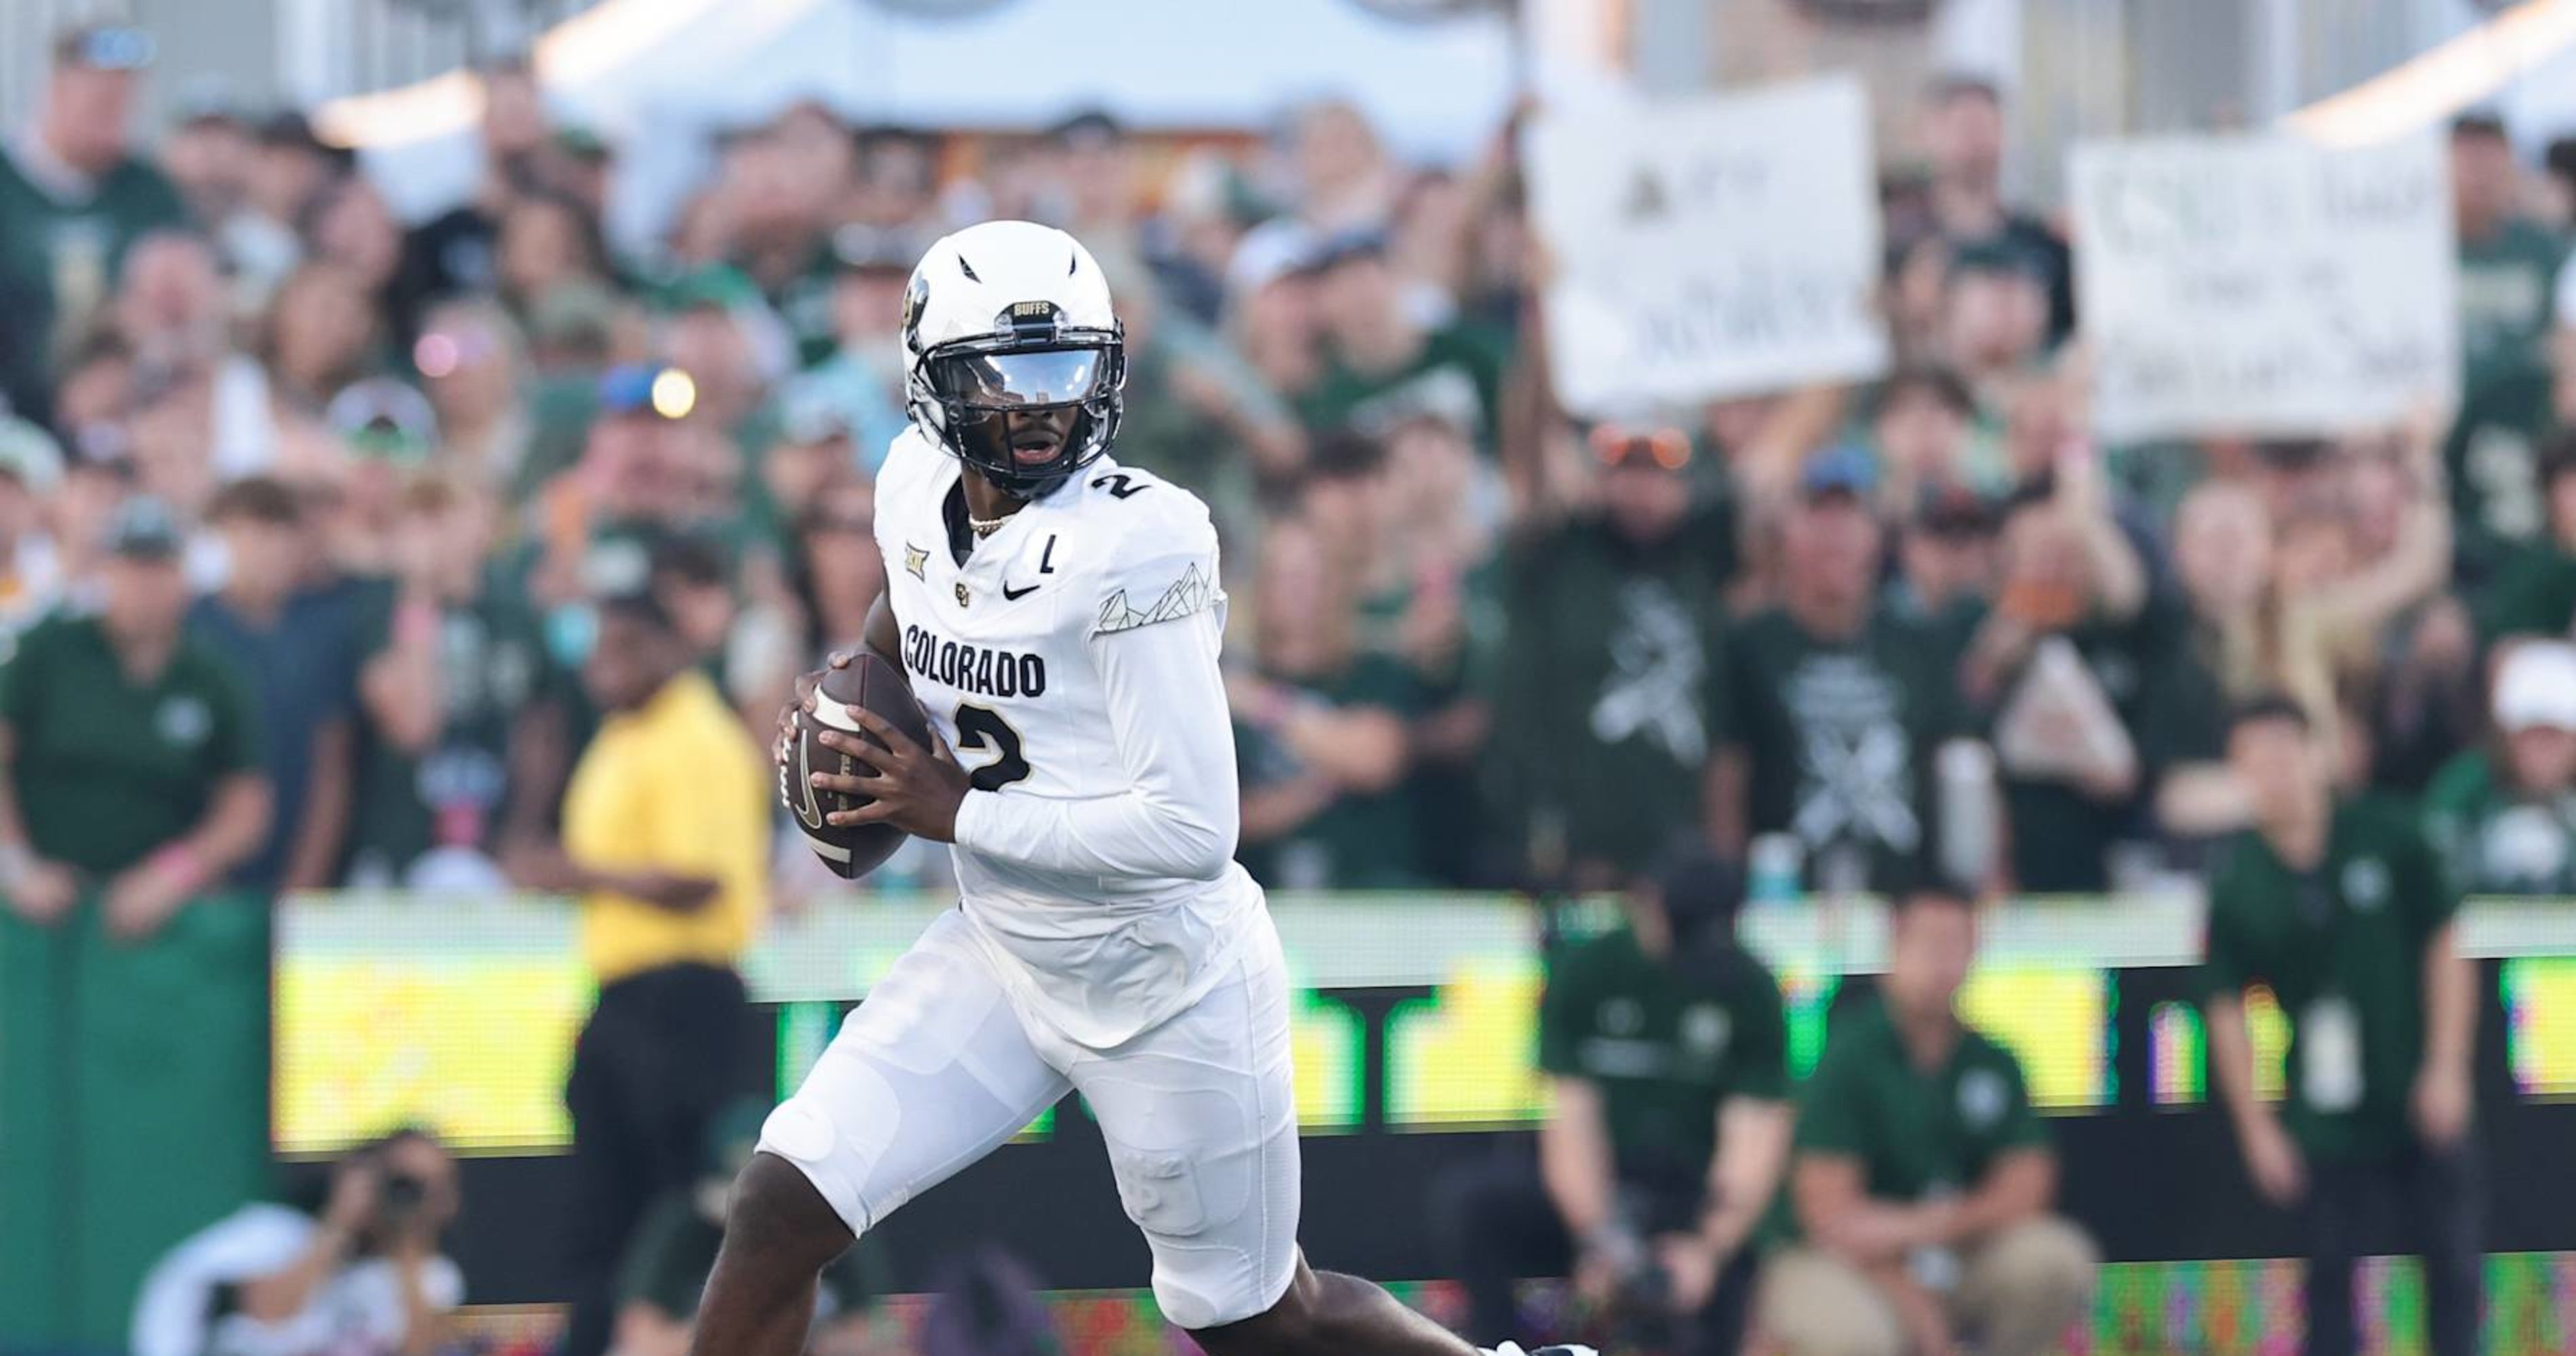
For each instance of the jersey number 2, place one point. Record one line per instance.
(983, 727)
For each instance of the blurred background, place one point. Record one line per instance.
(1556, 372)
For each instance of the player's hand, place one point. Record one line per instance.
(44, 893)
(916, 789)
(2440, 1104)
(2274, 1162)
(1691, 1264)
(141, 900)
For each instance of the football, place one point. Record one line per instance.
(872, 684)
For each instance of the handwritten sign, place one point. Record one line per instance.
(1708, 247)
(2264, 285)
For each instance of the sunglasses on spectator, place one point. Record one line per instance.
(1667, 448)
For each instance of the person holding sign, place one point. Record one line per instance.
(2344, 912)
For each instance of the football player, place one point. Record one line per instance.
(1058, 616)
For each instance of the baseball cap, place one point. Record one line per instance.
(145, 528)
(1843, 468)
(104, 47)
(2536, 687)
(382, 417)
(649, 389)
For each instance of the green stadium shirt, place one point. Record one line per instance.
(1665, 1043)
(1602, 684)
(2508, 282)
(61, 246)
(1917, 1133)
(106, 769)
(1839, 734)
(2491, 458)
(2342, 949)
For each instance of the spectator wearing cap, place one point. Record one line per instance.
(2504, 816)
(1271, 315)
(296, 651)
(1922, 1184)
(131, 788)
(2509, 262)
(1963, 137)
(1611, 611)
(634, 471)
(73, 199)
(462, 745)
(1381, 363)
(1946, 563)
(1666, 1054)
(665, 844)
(1831, 711)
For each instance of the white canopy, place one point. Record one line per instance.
(655, 75)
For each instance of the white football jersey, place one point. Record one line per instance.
(1071, 663)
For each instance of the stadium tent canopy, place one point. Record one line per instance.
(657, 74)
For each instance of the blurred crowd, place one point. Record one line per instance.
(1480, 643)
(331, 543)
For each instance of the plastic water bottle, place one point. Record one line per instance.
(1771, 868)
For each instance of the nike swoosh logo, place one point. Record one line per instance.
(1014, 595)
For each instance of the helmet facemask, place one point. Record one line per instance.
(1026, 410)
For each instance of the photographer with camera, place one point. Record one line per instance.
(1666, 1052)
(351, 1270)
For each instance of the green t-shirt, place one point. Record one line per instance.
(2342, 949)
(1458, 372)
(493, 664)
(1917, 1133)
(65, 253)
(1839, 735)
(105, 769)
(2508, 285)
(2496, 841)
(1362, 841)
(1603, 681)
(2492, 458)
(1665, 1043)
(2533, 593)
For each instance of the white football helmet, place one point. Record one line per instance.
(1007, 319)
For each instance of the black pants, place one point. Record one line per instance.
(661, 1054)
(1496, 1222)
(2440, 1204)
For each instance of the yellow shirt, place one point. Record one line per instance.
(676, 786)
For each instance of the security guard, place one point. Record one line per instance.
(128, 986)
